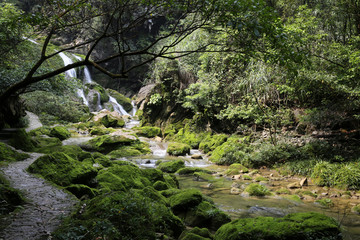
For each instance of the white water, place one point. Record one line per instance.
(30, 40)
(67, 61)
(98, 104)
(117, 106)
(86, 71)
(80, 93)
(134, 110)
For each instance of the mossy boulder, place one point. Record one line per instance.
(100, 130)
(153, 174)
(206, 214)
(122, 178)
(44, 130)
(236, 168)
(171, 166)
(192, 170)
(22, 140)
(112, 121)
(124, 215)
(212, 141)
(10, 155)
(190, 136)
(258, 190)
(121, 99)
(126, 151)
(107, 143)
(60, 132)
(72, 151)
(63, 170)
(185, 200)
(296, 226)
(178, 149)
(80, 191)
(196, 233)
(104, 97)
(147, 131)
(43, 143)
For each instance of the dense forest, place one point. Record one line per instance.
(253, 101)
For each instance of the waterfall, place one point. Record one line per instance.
(86, 71)
(31, 40)
(69, 73)
(133, 111)
(80, 93)
(117, 106)
(98, 104)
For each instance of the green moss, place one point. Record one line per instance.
(44, 130)
(171, 166)
(160, 185)
(80, 191)
(147, 131)
(206, 214)
(185, 200)
(102, 159)
(123, 215)
(63, 170)
(122, 178)
(297, 226)
(212, 141)
(60, 132)
(121, 99)
(261, 179)
(255, 189)
(235, 169)
(325, 202)
(44, 143)
(104, 97)
(294, 198)
(153, 174)
(202, 176)
(10, 155)
(189, 136)
(112, 121)
(72, 151)
(246, 177)
(196, 232)
(22, 140)
(171, 180)
(178, 149)
(125, 151)
(282, 191)
(99, 131)
(106, 143)
(191, 170)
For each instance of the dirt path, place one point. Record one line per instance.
(46, 206)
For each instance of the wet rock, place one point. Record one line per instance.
(196, 156)
(235, 185)
(294, 185)
(324, 194)
(235, 191)
(236, 177)
(304, 182)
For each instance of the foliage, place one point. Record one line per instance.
(258, 190)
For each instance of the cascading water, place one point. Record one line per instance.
(98, 104)
(117, 106)
(133, 111)
(87, 74)
(80, 93)
(67, 61)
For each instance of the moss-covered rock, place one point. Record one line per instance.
(43, 143)
(195, 233)
(63, 170)
(212, 141)
(106, 143)
(258, 190)
(160, 185)
(192, 170)
(122, 178)
(44, 130)
(148, 131)
(104, 97)
(22, 140)
(112, 121)
(297, 226)
(189, 135)
(178, 149)
(121, 99)
(126, 151)
(100, 130)
(72, 151)
(153, 174)
(185, 200)
(60, 132)
(236, 168)
(206, 214)
(80, 191)
(124, 215)
(171, 166)
(10, 155)
(102, 159)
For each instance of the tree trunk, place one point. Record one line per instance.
(11, 110)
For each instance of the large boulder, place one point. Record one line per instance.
(60, 132)
(296, 226)
(109, 119)
(178, 149)
(9, 154)
(108, 143)
(171, 166)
